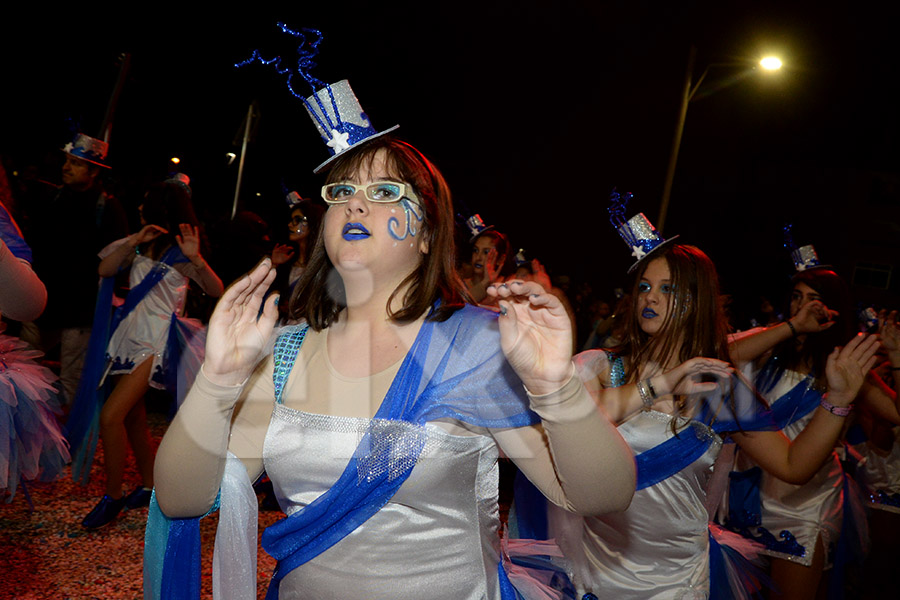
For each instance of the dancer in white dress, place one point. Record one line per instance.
(663, 385)
(382, 439)
(161, 263)
(800, 523)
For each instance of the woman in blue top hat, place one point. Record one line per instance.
(381, 419)
(668, 386)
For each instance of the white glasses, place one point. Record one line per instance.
(378, 191)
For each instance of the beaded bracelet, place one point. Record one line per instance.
(791, 326)
(838, 411)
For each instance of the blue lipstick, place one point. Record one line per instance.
(355, 231)
(649, 313)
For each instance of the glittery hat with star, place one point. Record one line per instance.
(476, 226)
(804, 257)
(638, 232)
(87, 148)
(334, 109)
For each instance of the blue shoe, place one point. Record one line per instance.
(139, 498)
(104, 513)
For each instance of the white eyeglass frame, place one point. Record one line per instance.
(406, 191)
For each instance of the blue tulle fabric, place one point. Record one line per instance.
(83, 427)
(454, 370)
(12, 237)
(172, 555)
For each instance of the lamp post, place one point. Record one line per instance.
(769, 63)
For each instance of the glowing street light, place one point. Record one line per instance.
(769, 63)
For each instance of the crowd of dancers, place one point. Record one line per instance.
(377, 381)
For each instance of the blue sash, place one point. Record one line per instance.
(454, 370)
(83, 427)
(744, 507)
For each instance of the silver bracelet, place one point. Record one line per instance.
(646, 399)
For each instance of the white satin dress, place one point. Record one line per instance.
(805, 511)
(436, 538)
(659, 547)
(144, 332)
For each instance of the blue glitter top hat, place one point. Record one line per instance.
(476, 226)
(334, 109)
(804, 257)
(340, 120)
(87, 148)
(638, 232)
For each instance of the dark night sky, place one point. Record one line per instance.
(533, 110)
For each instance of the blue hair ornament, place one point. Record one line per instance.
(306, 52)
(789, 237)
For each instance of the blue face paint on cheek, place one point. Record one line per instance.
(413, 214)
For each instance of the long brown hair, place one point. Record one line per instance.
(695, 322)
(816, 347)
(319, 295)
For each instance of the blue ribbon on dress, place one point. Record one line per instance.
(83, 427)
(454, 370)
(744, 507)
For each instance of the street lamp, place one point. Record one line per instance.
(769, 63)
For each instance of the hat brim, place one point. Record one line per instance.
(485, 230)
(93, 162)
(328, 162)
(651, 253)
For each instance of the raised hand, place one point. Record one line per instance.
(237, 332)
(846, 368)
(889, 331)
(491, 269)
(535, 334)
(688, 378)
(813, 317)
(539, 275)
(281, 254)
(189, 241)
(148, 233)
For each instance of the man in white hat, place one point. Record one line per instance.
(66, 236)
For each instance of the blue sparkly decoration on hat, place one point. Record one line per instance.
(640, 235)
(87, 148)
(804, 257)
(334, 109)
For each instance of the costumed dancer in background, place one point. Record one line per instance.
(143, 347)
(31, 444)
(291, 259)
(492, 258)
(382, 431)
(880, 446)
(664, 385)
(800, 523)
(66, 234)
